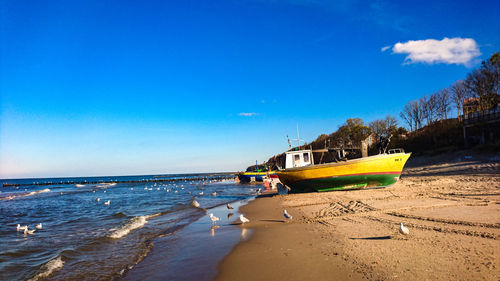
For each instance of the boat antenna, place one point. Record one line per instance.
(298, 137)
(289, 143)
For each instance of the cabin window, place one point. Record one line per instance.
(306, 157)
(296, 159)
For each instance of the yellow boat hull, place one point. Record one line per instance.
(369, 172)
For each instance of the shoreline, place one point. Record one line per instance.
(452, 210)
(194, 251)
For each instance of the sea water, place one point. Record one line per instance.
(149, 229)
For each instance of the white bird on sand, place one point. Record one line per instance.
(21, 228)
(229, 206)
(243, 219)
(213, 218)
(28, 231)
(98, 199)
(195, 204)
(287, 215)
(107, 202)
(403, 229)
(38, 226)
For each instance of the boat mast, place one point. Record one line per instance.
(298, 137)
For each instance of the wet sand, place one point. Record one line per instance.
(193, 252)
(452, 210)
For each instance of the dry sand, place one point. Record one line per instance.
(451, 209)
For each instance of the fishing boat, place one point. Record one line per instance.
(301, 175)
(257, 173)
(245, 177)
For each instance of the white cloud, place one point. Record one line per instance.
(247, 114)
(385, 48)
(449, 50)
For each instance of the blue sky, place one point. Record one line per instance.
(128, 87)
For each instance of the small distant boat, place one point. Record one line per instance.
(257, 173)
(301, 175)
(246, 177)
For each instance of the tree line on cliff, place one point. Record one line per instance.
(481, 85)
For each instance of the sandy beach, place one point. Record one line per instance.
(451, 209)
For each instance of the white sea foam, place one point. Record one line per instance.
(26, 194)
(133, 224)
(37, 192)
(48, 268)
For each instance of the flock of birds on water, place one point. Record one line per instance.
(25, 229)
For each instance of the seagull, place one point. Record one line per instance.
(27, 231)
(229, 206)
(243, 219)
(213, 218)
(403, 230)
(107, 203)
(201, 193)
(195, 204)
(214, 193)
(21, 228)
(98, 199)
(39, 226)
(287, 215)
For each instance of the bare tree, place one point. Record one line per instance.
(443, 103)
(459, 92)
(484, 83)
(418, 111)
(391, 122)
(407, 116)
(413, 114)
(428, 107)
(378, 127)
(384, 127)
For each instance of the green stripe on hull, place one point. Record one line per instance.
(344, 183)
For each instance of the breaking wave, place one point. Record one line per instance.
(133, 224)
(26, 194)
(48, 268)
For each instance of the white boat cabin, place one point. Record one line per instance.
(298, 158)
